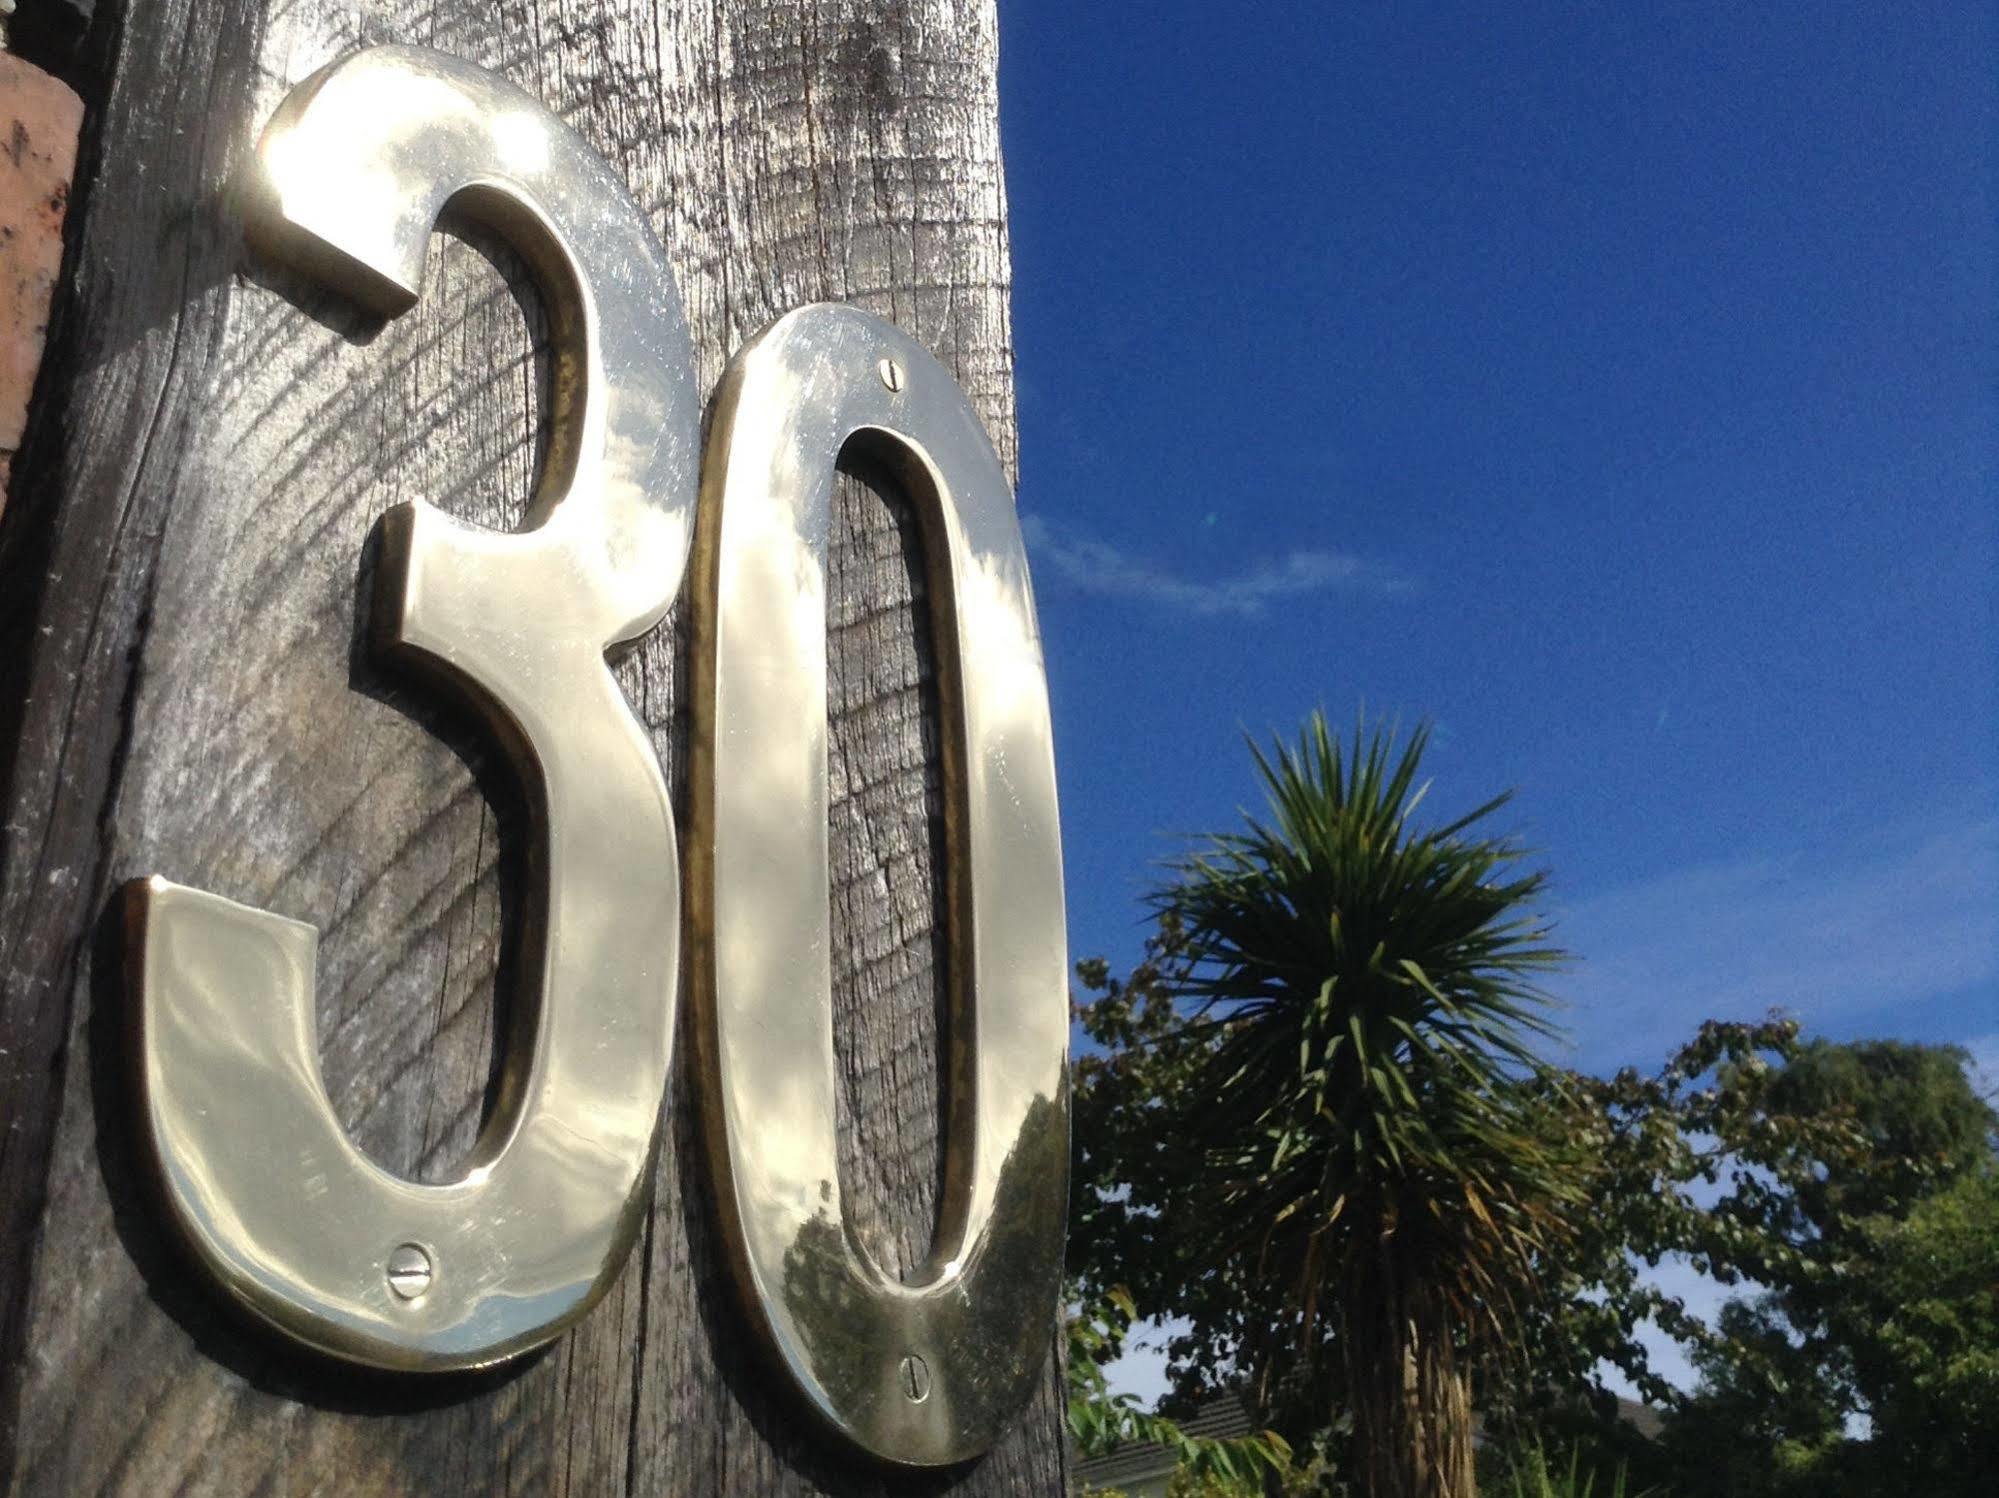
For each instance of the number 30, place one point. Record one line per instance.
(260, 1178)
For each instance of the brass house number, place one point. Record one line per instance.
(272, 1196)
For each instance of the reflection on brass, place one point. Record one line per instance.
(925, 1372)
(267, 1188)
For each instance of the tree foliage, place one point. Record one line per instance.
(1923, 1334)
(1101, 1421)
(1532, 1473)
(1823, 1181)
(1308, 1131)
(1312, 1124)
(1847, 1191)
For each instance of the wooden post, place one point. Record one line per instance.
(182, 571)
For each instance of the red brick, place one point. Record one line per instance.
(39, 120)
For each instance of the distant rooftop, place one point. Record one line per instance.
(1220, 1418)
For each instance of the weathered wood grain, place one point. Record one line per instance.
(182, 692)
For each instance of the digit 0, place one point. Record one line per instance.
(926, 1372)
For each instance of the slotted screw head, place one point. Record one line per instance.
(409, 1271)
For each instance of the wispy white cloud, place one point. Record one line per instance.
(1915, 917)
(1098, 567)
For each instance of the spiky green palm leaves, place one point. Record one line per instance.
(1366, 991)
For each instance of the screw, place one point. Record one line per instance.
(915, 1379)
(891, 373)
(409, 1271)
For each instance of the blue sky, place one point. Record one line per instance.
(1612, 384)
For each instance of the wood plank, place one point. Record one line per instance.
(182, 692)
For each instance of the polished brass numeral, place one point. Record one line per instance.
(929, 1371)
(272, 1195)
(265, 1185)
